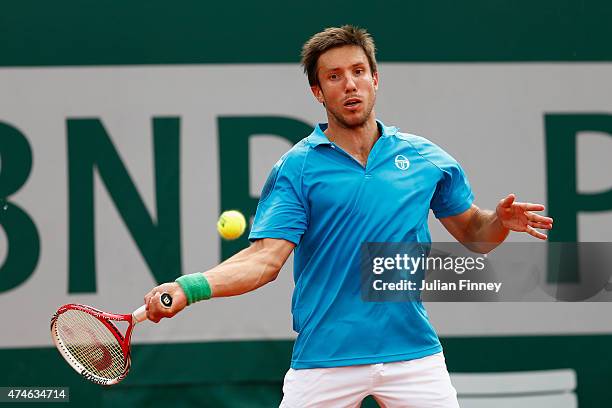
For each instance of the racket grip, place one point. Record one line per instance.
(140, 314)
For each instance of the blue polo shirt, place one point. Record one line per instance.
(323, 200)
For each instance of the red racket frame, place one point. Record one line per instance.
(105, 318)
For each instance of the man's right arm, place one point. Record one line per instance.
(246, 271)
(250, 268)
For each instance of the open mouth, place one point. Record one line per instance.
(352, 102)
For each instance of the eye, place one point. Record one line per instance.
(359, 71)
(334, 77)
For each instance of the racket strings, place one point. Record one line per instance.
(91, 343)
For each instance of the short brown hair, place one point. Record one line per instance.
(335, 37)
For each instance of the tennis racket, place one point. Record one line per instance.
(91, 342)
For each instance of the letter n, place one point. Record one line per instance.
(90, 149)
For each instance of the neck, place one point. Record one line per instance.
(357, 141)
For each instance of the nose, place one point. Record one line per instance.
(350, 84)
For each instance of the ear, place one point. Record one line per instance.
(318, 94)
(375, 79)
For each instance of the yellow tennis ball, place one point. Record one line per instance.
(231, 224)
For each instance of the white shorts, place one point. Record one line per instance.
(420, 383)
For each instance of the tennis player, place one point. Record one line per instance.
(354, 180)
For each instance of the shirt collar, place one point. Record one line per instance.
(317, 137)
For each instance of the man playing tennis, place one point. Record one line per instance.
(354, 180)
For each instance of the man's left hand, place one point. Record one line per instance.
(519, 217)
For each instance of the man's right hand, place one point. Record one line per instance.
(155, 310)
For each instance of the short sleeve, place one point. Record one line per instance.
(281, 212)
(453, 193)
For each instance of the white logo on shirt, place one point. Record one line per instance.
(401, 162)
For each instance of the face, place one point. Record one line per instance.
(347, 85)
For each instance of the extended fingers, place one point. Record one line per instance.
(507, 207)
(537, 218)
(538, 221)
(531, 206)
(535, 233)
(539, 225)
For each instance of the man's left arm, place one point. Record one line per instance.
(483, 230)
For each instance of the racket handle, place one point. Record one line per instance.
(140, 314)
